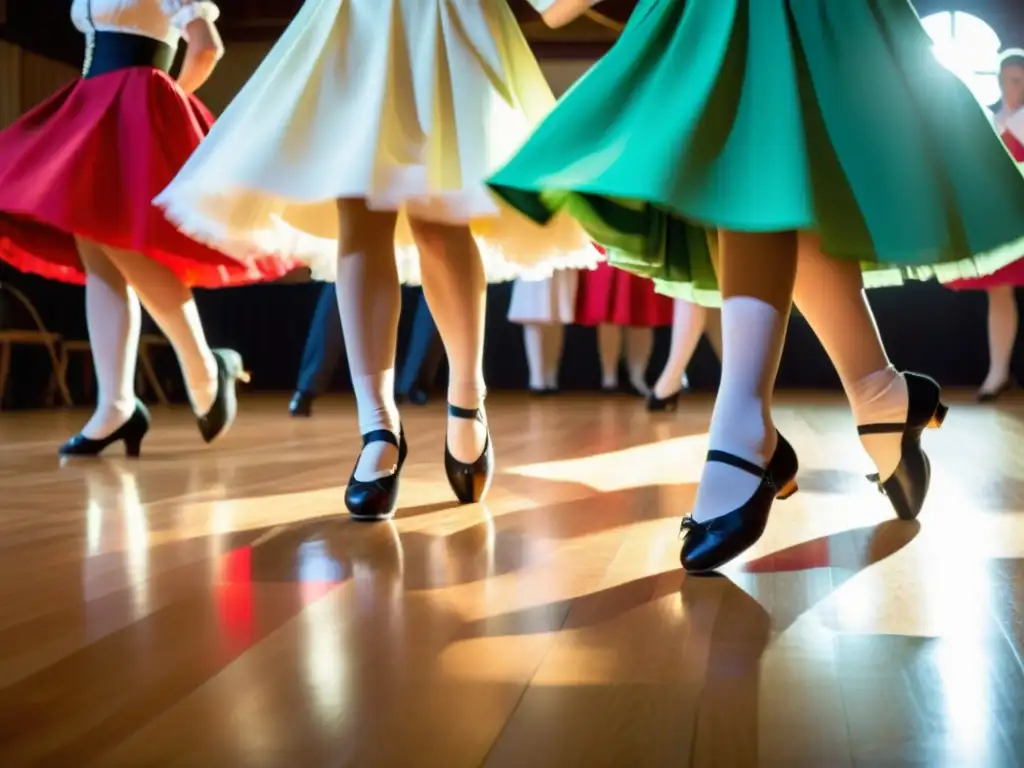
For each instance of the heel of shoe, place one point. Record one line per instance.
(939, 416)
(133, 447)
(787, 490)
(657, 404)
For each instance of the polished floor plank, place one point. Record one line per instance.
(211, 606)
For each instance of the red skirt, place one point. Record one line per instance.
(610, 295)
(89, 161)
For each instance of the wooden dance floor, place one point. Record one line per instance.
(214, 607)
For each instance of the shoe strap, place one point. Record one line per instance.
(722, 457)
(380, 436)
(465, 413)
(880, 429)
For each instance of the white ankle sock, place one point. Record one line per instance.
(554, 337)
(466, 437)
(375, 401)
(533, 341)
(881, 398)
(753, 332)
(114, 318)
(609, 350)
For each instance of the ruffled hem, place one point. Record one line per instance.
(320, 255)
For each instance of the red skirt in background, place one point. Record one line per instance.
(1011, 274)
(89, 161)
(610, 295)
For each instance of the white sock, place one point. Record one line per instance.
(375, 402)
(638, 343)
(466, 437)
(533, 341)
(753, 333)
(609, 350)
(114, 318)
(881, 398)
(1002, 335)
(554, 338)
(687, 328)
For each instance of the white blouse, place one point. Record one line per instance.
(163, 20)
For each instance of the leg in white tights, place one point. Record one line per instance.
(830, 294)
(1002, 335)
(369, 301)
(609, 350)
(171, 305)
(554, 340)
(456, 291)
(534, 343)
(638, 343)
(114, 318)
(687, 328)
(757, 274)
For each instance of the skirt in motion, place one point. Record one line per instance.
(88, 161)
(406, 104)
(827, 116)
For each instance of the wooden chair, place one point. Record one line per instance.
(38, 336)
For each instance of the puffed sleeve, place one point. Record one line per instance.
(184, 12)
(541, 5)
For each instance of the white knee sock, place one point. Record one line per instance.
(609, 350)
(1002, 335)
(881, 398)
(114, 318)
(171, 305)
(375, 402)
(533, 341)
(687, 328)
(753, 333)
(638, 342)
(554, 337)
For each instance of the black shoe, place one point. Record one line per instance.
(668, 404)
(907, 487)
(708, 546)
(131, 433)
(469, 482)
(301, 406)
(544, 391)
(376, 499)
(995, 394)
(221, 415)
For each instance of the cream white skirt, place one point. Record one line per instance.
(408, 104)
(543, 302)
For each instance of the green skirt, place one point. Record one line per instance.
(829, 116)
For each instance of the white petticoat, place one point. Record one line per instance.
(408, 104)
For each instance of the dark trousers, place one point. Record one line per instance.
(325, 346)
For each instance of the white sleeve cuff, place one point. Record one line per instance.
(184, 12)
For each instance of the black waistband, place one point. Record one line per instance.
(112, 51)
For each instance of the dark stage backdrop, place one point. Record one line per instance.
(926, 327)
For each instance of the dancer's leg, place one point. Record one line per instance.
(609, 350)
(369, 302)
(713, 330)
(554, 340)
(830, 294)
(638, 343)
(534, 343)
(687, 328)
(456, 290)
(171, 305)
(1002, 335)
(114, 319)
(757, 274)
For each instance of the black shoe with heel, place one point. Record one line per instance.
(130, 433)
(469, 482)
(376, 499)
(218, 420)
(710, 545)
(668, 404)
(908, 485)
